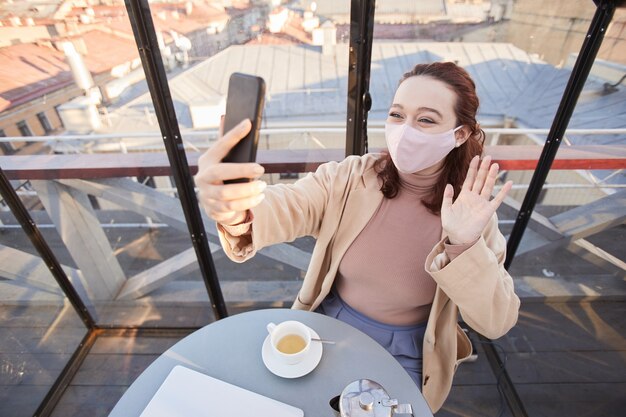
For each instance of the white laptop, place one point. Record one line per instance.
(187, 393)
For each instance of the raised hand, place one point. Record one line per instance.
(228, 203)
(464, 220)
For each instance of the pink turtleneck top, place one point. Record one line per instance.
(382, 274)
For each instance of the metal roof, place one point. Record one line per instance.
(305, 84)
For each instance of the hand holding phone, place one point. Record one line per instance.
(227, 203)
(245, 100)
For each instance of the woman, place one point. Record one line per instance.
(405, 239)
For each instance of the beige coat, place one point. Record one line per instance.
(333, 205)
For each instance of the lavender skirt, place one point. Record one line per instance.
(403, 342)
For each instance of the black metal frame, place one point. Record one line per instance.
(359, 103)
(360, 59)
(146, 38)
(67, 374)
(516, 406)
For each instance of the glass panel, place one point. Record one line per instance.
(39, 329)
(106, 230)
(129, 241)
(580, 256)
(298, 51)
(568, 192)
(520, 54)
(102, 237)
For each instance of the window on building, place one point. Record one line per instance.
(6, 148)
(45, 123)
(56, 109)
(24, 129)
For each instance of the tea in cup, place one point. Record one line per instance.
(290, 341)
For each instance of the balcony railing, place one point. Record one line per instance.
(65, 184)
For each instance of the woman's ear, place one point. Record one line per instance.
(462, 135)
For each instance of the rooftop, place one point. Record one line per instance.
(305, 84)
(32, 70)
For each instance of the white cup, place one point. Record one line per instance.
(290, 341)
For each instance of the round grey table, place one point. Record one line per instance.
(230, 350)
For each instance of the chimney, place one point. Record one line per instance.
(81, 74)
(277, 20)
(326, 36)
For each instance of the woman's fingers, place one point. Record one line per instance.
(223, 203)
(225, 143)
(481, 179)
(235, 191)
(217, 173)
(490, 182)
(228, 203)
(499, 198)
(477, 186)
(448, 195)
(471, 174)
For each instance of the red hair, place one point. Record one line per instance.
(457, 161)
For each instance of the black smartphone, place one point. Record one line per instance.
(245, 100)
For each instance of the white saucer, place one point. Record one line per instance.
(296, 370)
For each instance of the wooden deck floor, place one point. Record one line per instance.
(35, 344)
(565, 358)
(111, 366)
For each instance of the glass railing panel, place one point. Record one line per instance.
(296, 49)
(39, 329)
(140, 267)
(521, 55)
(128, 230)
(301, 51)
(571, 257)
(101, 228)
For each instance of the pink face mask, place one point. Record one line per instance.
(413, 150)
